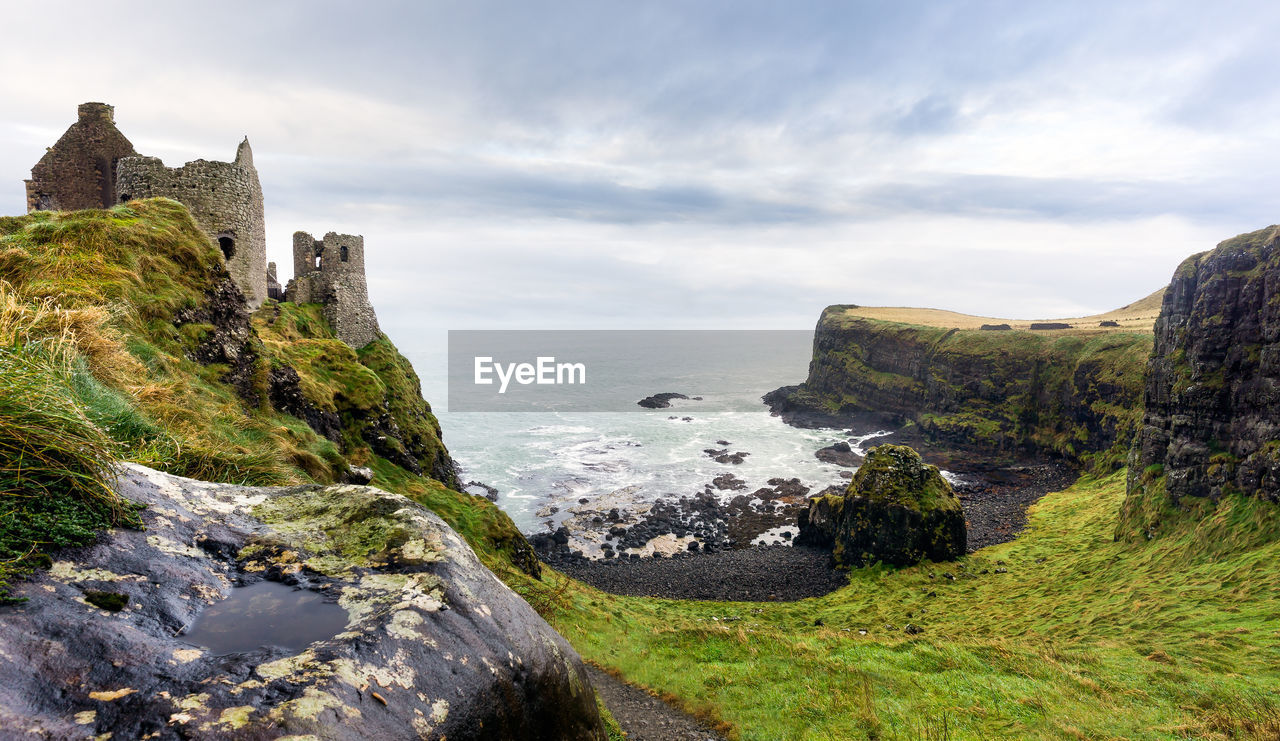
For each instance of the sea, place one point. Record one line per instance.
(542, 463)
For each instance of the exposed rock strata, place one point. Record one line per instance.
(1212, 420)
(223, 335)
(434, 646)
(1007, 394)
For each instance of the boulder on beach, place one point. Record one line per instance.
(897, 510)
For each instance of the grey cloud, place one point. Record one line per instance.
(484, 190)
(1074, 200)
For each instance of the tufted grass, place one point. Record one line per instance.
(1084, 637)
(54, 462)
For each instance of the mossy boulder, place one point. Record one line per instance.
(897, 510)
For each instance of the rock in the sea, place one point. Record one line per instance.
(660, 401)
(897, 510)
(840, 454)
(728, 482)
(433, 644)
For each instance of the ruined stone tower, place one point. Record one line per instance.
(225, 198)
(331, 272)
(274, 290)
(79, 171)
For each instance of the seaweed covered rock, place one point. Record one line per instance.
(897, 510)
(427, 642)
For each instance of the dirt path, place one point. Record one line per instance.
(644, 717)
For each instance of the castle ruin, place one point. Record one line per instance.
(225, 199)
(93, 165)
(330, 271)
(79, 171)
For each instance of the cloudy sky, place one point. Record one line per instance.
(732, 164)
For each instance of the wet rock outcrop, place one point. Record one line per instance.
(660, 401)
(897, 510)
(284, 389)
(1212, 419)
(434, 645)
(221, 334)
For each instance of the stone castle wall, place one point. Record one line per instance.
(225, 198)
(330, 271)
(79, 171)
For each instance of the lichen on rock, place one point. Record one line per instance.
(434, 645)
(897, 510)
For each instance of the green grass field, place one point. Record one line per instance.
(1083, 637)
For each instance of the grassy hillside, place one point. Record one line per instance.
(1138, 316)
(141, 355)
(1083, 637)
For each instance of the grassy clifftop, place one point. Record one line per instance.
(135, 340)
(1070, 393)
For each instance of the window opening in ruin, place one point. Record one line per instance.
(228, 246)
(319, 252)
(342, 253)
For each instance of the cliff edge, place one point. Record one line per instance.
(1073, 394)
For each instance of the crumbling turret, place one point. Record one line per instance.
(225, 198)
(330, 271)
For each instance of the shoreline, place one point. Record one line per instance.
(995, 504)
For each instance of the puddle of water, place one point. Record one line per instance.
(266, 614)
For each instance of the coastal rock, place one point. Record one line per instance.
(840, 454)
(660, 401)
(1212, 419)
(898, 510)
(724, 456)
(433, 644)
(728, 482)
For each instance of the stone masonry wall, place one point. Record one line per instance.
(225, 198)
(331, 272)
(79, 171)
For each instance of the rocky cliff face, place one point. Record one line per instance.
(1009, 393)
(429, 643)
(1212, 420)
